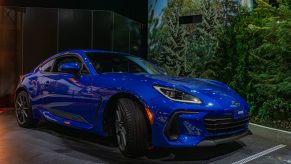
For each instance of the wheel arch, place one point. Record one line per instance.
(19, 89)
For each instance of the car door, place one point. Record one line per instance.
(73, 97)
(45, 84)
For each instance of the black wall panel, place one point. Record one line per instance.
(39, 36)
(136, 38)
(133, 9)
(75, 27)
(30, 35)
(102, 30)
(121, 35)
(10, 59)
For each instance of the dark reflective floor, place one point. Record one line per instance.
(50, 143)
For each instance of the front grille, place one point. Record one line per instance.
(226, 124)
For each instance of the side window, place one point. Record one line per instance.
(47, 67)
(135, 68)
(68, 59)
(114, 63)
(119, 64)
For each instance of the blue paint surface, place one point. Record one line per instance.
(88, 95)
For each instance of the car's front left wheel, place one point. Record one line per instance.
(23, 111)
(131, 128)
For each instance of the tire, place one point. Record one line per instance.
(23, 111)
(130, 119)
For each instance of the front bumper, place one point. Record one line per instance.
(220, 140)
(190, 128)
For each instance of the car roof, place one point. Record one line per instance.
(81, 52)
(94, 51)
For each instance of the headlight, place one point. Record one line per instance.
(177, 95)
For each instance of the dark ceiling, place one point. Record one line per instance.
(134, 9)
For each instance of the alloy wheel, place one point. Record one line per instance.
(120, 129)
(22, 107)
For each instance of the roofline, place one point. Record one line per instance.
(82, 51)
(94, 50)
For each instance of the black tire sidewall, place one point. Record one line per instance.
(29, 122)
(136, 128)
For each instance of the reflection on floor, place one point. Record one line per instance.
(50, 143)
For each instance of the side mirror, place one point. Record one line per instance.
(72, 67)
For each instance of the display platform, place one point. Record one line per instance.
(50, 143)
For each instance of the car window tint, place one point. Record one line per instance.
(119, 64)
(47, 67)
(113, 63)
(149, 67)
(134, 68)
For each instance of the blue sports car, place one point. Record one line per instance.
(127, 97)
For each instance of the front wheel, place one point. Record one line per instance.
(23, 111)
(131, 128)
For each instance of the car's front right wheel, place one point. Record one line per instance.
(131, 128)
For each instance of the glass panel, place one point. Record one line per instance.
(39, 36)
(135, 38)
(75, 27)
(121, 34)
(102, 30)
(30, 35)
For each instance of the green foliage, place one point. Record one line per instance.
(250, 51)
(153, 27)
(178, 48)
(274, 109)
(205, 41)
(171, 49)
(263, 47)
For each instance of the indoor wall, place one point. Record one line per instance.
(29, 35)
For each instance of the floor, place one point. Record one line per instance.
(50, 143)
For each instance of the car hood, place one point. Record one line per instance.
(216, 91)
(187, 84)
(190, 84)
(209, 91)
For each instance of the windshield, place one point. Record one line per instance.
(109, 62)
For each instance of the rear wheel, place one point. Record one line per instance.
(131, 128)
(23, 111)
